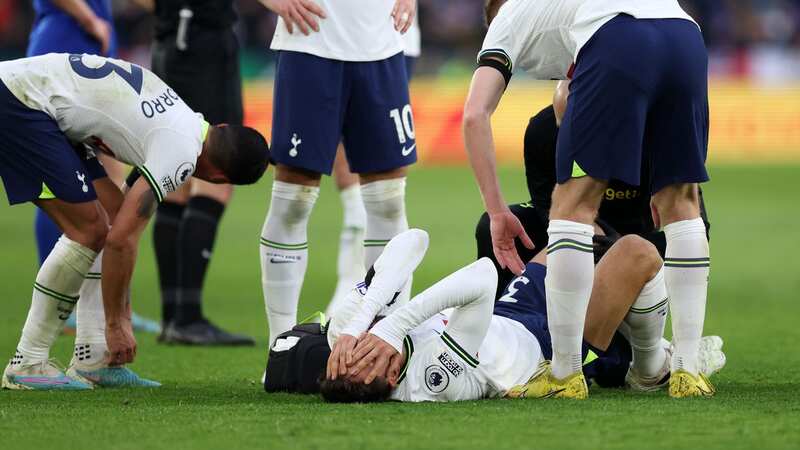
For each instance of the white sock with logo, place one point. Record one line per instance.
(350, 262)
(385, 204)
(284, 253)
(646, 320)
(55, 293)
(686, 269)
(90, 336)
(568, 286)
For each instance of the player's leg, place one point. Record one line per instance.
(600, 139)
(166, 229)
(35, 155)
(350, 261)
(89, 363)
(379, 136)
(305, 134)
(55, 293)
(677, 137)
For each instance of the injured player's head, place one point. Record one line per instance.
(233, 154)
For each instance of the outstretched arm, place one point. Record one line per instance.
(488, 85)
(118, 263)
(470, 290)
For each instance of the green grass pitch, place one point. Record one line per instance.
(211, 397)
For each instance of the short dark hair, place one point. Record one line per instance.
(490, 9)
(342, 390)
(241, 153)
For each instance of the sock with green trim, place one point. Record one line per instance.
(385, 204)
(568, 286)
(90, 335)
(284, 253)
(55, 293)
(686, 269)
(646, 320)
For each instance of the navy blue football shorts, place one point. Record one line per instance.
(320, 101)
(639, 91)
(37, 160)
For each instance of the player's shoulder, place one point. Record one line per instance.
(437, 373)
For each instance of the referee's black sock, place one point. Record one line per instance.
(195, 243)
(165, 241)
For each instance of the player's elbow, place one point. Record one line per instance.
(475, 116)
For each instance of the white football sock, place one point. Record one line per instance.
(645, 321)
(90, 336)
(568, 285)
(350, 262)
(686, 269)
(284, 253)
(385, 204)
(55, 293)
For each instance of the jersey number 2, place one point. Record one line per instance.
(134, 78)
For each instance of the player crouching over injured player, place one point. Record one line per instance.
(51, 104)
(486, 348)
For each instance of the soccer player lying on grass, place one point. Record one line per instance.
(417, 353)
(51, 104)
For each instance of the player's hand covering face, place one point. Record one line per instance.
(300, 13)
(341, 356)
(505, 227)
(403, 14)
(374, 357)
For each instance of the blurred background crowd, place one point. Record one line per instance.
(759, 39)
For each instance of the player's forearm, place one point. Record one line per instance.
(119, 259)
(392, 269)
(147, 5)
(485, 92)
(78, 10)
(471, 290)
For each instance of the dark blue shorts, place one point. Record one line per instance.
(34, 153)
(411, 61)
(639, 91)
(319, 101)
(524, 301)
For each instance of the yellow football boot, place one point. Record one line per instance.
(683, 384)
(543, 385)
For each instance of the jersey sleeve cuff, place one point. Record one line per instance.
(152, 182)
(497, 59)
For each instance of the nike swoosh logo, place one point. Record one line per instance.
(281, 261)
(408, 151)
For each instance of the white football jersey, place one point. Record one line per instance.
(354, 30)
(412, 40)
(545, 37)
(439, 370)
(114, 106)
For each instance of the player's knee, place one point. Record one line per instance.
(91, 234)
(385, 199)
(486, 275)
(640, 252)
(292, 203)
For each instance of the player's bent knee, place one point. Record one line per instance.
(640, 252)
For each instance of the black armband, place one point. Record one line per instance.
(496, 59)
(132, 177)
